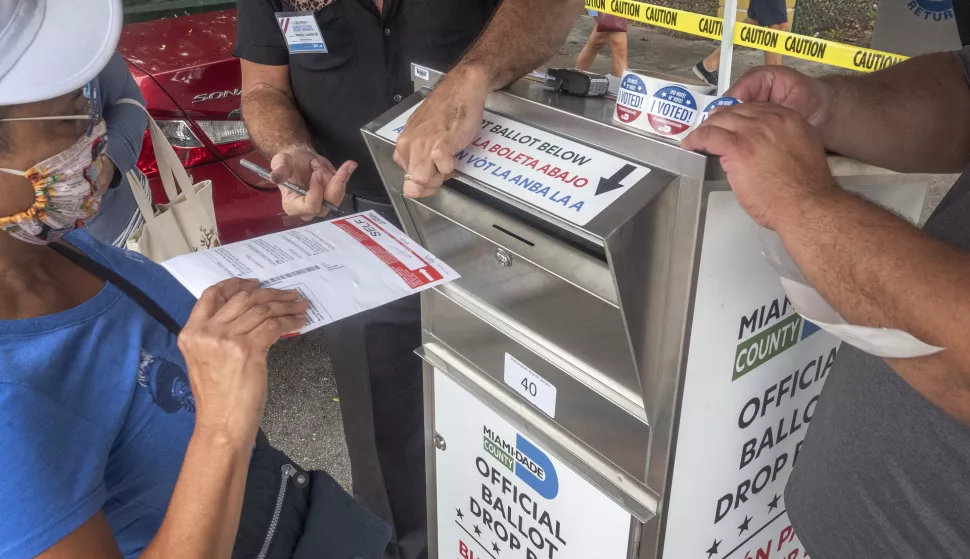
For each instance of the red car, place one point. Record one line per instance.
(182, 59)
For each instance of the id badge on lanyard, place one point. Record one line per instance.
(301, 32)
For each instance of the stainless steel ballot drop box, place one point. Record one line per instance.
(618, 372)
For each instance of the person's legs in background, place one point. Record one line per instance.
(765, 13)
(707, 69)
(774, 15)
(379, 381)
(380, 385)
(596, 41)
(617, 43)
(772, 58)
(609, 30)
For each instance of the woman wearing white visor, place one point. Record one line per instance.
(121, 433)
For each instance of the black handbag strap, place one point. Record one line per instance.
(110, 276)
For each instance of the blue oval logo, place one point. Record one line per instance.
(633, 82)
(935, 5)
(935, 10)
(535, 468)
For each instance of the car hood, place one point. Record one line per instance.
(179, 43)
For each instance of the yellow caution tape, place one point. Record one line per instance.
(810, 48)
(761, 38)
(678, 20)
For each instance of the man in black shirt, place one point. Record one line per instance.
(314, 72)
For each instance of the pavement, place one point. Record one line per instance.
(303, 411)
(302, 415)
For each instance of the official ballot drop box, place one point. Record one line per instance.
(618, 373)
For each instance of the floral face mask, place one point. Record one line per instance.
(65, 192)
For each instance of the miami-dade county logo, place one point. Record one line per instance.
(937, 10)
(629, 102)
(766, 333)
(672, 110)
(719, 102)
(529, 463)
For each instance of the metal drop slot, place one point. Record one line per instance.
(514, 236)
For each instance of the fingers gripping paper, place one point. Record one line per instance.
(342, 267)
(882, 342)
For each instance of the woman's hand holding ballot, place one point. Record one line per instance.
(225, 344)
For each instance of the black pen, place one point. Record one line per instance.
(265, 175)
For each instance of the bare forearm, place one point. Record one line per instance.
(908, 117)
(877, 270)
(203, 515)
(273, 120)
(521, 35)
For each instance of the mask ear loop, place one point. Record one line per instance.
(36, 211)
(29, 118)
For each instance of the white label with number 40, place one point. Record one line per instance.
(530, 385)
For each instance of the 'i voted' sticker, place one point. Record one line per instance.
(672, 111)
(631, 98)
(301, 32)
(664, 108)
(719, 102)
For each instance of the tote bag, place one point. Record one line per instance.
(188, 222)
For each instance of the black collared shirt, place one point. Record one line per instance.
(367, 67)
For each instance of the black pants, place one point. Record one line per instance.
(380, 387)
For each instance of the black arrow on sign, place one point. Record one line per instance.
(614, 182)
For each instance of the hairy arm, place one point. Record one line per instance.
(269, 110)
(894, 118)
(878, 270)
(281, 134)
(521, 35)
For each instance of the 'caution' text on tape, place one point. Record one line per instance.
(810, 48)
(762, 38)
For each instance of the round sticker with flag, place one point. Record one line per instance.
(630, 99)
(672, 110)
(719, 102)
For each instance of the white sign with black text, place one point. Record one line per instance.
(530, 385)
(562, 177)
(755, 369)
(501, 496)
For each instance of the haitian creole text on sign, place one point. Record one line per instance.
(755, 369)
(663, 108)
(501, 496)
(565, 178)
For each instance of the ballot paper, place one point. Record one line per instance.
(342, 267)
